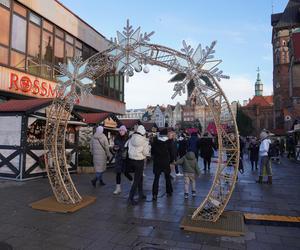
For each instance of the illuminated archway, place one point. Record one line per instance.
(129, 52)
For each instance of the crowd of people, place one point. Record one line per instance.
(168, 151)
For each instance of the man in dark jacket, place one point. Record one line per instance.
(162, 153)
(193, 144)
(206, 147)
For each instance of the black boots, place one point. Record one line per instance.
(94, 181)
(102, 183)
(260, 179)
(269, 179)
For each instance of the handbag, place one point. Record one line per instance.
(124, 153)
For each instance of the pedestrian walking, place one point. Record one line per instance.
(193, 144)
(121, 150)
(190, 172)
(174, 151)
(254, 151)
(161, 152)
(264, 157)
(206, 147)
(182, 143)
(101, 153)
(138, 150)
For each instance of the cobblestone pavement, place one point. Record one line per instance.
(111, 224)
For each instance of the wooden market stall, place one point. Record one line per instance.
(22, 125)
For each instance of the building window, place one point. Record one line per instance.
(3, 55)
(69, 51)
(17, 60)
(35, 19)
(6, 3)
(58, 51)
(34, 41)
(47, 26)
(19, 9)
(18, 33)
(47, 54)
(4, 27)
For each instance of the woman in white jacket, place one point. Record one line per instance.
(138, 150)
(264, 157)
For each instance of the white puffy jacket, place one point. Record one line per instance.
(138, 147)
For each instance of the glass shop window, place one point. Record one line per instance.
(5, 25)
(69, 51)
(5, 3)
(47, 54)
(35, 19)
(58, 51)
(47, 26)
(34, 46)
(17, 60)
(20, 9)
(18, 33)
(3, 55)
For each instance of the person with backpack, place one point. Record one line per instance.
(138, 150)
(162, 155)
(264, 157)
(120, 148)
(100, 152)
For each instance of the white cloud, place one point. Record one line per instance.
(153, 88)
(238, 88)
(150, 89)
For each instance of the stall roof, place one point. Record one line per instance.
(129, 123)
(94, 118)
(27, 106)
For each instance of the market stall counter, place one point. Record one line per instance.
(22, 126)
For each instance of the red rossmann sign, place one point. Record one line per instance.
(29, 85)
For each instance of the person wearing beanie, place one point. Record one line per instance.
(162, 154)
(120, 149)
(100, 152)
(264, 157)
(138, 150)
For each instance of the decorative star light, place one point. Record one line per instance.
(198, 63)
(75, 79)
(127, 50)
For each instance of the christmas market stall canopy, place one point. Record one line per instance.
(22, 129)
(131, 123)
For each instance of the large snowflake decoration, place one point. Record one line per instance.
(198, 63)
(127, 50)
(75, 80)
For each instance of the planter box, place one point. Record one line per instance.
(85, 170)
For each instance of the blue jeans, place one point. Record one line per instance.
(265, 163)
(99, 176)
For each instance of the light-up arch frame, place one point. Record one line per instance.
(129, 52)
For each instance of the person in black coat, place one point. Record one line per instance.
(162, 154)
(182, 147)
(193, 145)
(120, 159)
(254, 151)
(206, 147)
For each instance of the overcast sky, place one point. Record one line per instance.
(242, 28)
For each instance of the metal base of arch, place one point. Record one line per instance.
(128, 53)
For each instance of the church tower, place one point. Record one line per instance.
(258, 85)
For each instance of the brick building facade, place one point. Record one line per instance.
(286, 65)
